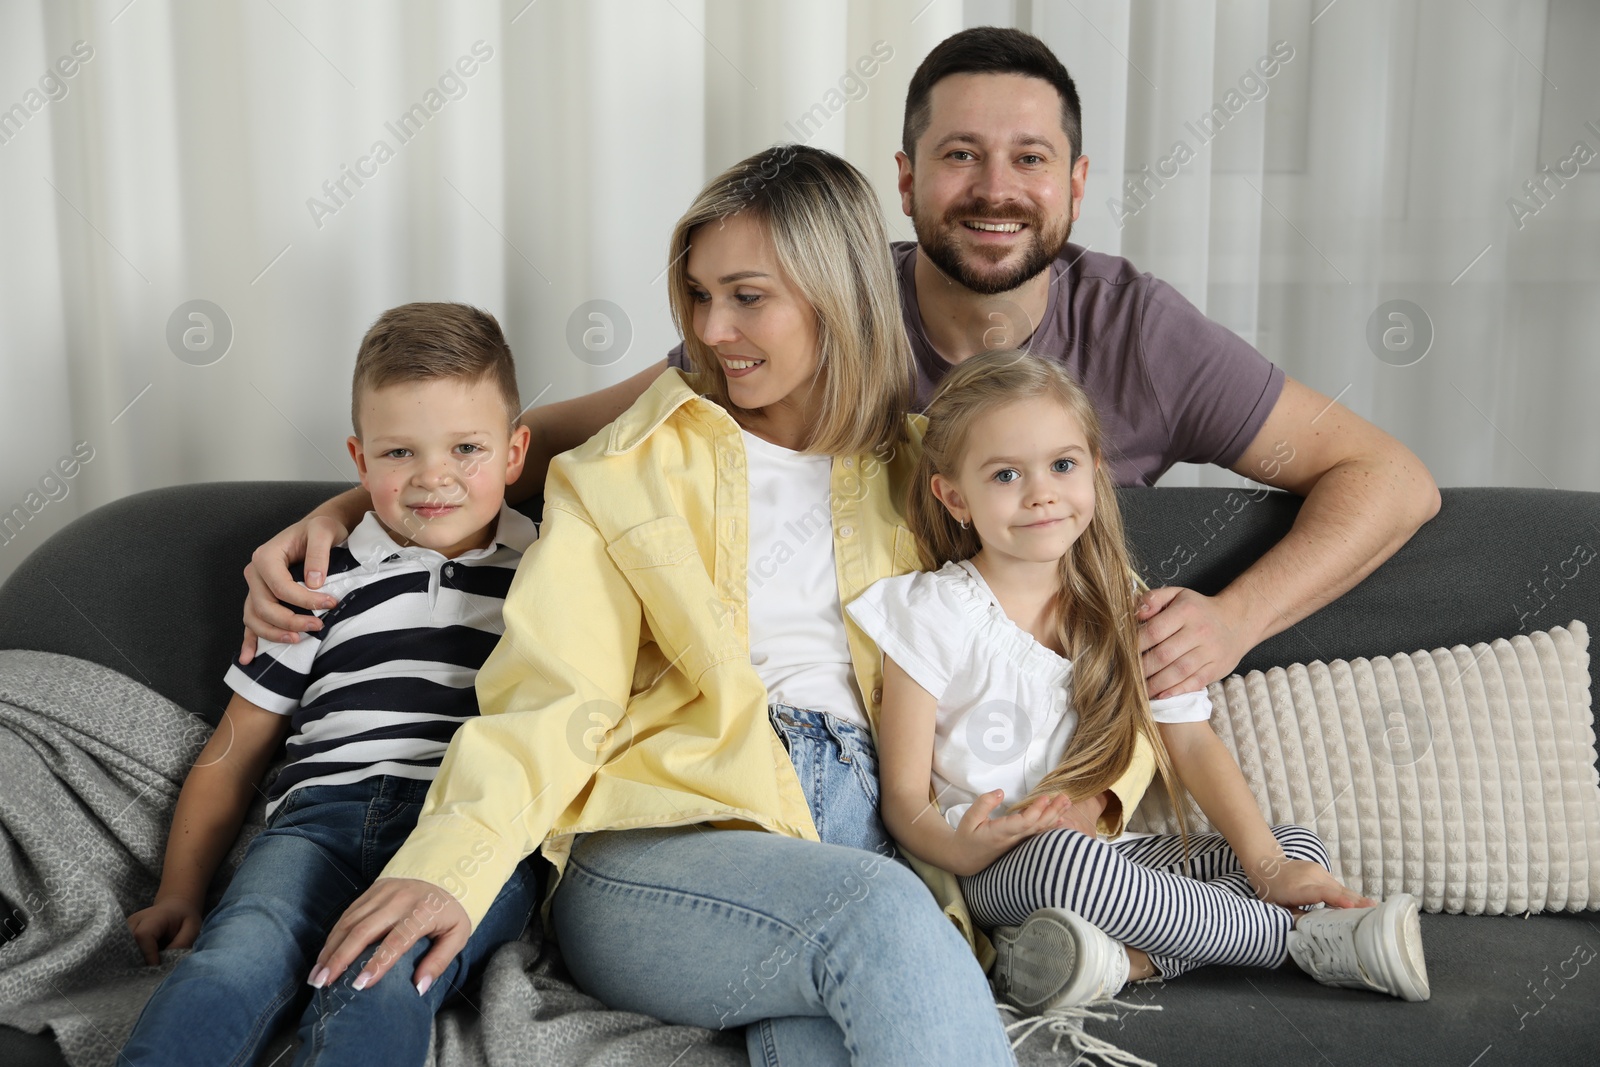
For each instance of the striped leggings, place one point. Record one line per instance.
(1135, 890)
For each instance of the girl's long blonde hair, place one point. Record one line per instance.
(828, 233)
(1096, 599)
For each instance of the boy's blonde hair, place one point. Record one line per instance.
(424, 341)
(1096, 599)
(828, 233)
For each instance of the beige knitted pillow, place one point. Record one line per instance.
(1464, 776)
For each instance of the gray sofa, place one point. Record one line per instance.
(151, 587)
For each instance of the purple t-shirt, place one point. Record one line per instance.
(1169, 384)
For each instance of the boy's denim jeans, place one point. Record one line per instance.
(827, 954)
(321, 849)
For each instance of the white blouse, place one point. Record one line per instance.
(798, 643)
(1004, 717)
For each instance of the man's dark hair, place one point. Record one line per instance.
(989, 50)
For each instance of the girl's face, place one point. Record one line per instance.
(1026, 482)
(763, 330)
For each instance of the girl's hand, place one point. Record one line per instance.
(397, 911)
(983, 840)
(168, 923)
(1300, 883)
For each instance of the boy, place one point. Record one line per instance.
(367, 706)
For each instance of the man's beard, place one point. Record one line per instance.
(939, 242)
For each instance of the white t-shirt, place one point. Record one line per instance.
(1004, 717)
(798, 643)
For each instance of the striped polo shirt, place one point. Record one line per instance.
(384, 684)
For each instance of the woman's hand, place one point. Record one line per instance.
(1301, 883)
(168, 923)
(1084, 816)
(981, 840)
(311, 539)
(396, 911)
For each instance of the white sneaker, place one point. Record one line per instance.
(1057, 959)
(1378, 948)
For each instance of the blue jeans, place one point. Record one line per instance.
(827, 953)
(322, 848)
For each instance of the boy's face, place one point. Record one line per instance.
(436, 456)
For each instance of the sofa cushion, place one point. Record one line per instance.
(1463, 776)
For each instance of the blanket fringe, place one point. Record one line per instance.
(1067, 1023)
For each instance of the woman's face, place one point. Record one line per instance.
(762, 329)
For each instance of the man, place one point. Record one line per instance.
(992, 175)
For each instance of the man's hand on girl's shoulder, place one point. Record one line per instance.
(1187, 640)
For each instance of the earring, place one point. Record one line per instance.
(963, 524)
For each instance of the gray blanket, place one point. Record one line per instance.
(90, 767)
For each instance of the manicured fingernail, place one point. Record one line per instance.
(320, 978)
(313, 576)
(424, 985)
(361, 980)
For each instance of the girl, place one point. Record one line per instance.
(1013, 672)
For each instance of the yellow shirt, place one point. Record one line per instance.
(622, 695)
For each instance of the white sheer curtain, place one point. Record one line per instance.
(185, 158)
(1375, 165)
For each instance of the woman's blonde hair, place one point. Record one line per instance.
(1096, 599)
(829, 236)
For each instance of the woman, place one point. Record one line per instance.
(679, 713)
